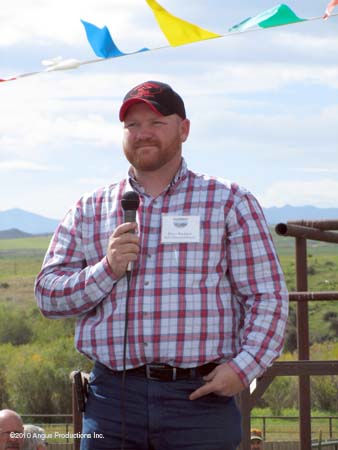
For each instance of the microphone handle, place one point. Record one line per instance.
(130, 216)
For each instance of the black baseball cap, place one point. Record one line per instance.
(160, 97)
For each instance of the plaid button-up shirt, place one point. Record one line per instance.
(222, 298)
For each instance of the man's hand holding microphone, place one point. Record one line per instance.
(124, 244)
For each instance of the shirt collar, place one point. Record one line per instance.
(133, 184)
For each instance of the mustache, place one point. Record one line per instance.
(143, 142)
(11, 445)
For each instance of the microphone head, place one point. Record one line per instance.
(130, 201)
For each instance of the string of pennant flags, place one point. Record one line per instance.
(177, 32)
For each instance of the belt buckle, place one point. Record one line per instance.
(149, 367)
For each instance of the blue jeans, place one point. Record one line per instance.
(158, 415)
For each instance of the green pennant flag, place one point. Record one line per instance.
(273, 17)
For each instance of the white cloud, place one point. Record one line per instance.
(233, 78)
(317, 170)
(38, 118)
(53, 199)
(255, 101)
(22, 165)
(305, 43)
(39, 22)
(321, 193)
(95, 182)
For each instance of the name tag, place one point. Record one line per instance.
(180, 229)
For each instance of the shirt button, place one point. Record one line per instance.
(146, 283)
(145, 344)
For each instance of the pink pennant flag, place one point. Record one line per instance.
(2, 80)
(329, 8)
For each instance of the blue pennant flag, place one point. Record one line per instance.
(102, 42)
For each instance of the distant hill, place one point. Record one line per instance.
(16, 221)
(26, 221)
(285, 213)
(13, 233)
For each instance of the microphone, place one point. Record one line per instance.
(130, 202)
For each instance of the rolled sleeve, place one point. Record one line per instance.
(66, 286)
(258, 284)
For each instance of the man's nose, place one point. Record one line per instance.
(145, 133)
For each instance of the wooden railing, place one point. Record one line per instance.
(303, 368)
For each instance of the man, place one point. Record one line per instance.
(256, 439)
(207, 302)
(34, 438)
(11, 430)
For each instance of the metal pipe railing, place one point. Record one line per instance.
(319, 224)
(325, 444)
(302, 231)
(299, 231)
(313, 296)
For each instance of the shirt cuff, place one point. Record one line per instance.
(246, 367)
(104, 277)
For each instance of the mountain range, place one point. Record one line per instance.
(18, 222)
(27, 222)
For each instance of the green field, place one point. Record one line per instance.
(286, 246)
(286, 427)
(21, 259)
(31, 243)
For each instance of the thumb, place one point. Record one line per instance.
(210, 376)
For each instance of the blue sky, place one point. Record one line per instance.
(263, 105)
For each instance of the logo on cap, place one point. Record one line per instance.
(158, 96)
(145, 90)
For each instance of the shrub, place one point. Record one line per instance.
(332, 318)
(290, 344)
(38, 377)
(311, 270)
(330, 315)
(6, 354)
(281, 394)
(324, 393)
(14, 327)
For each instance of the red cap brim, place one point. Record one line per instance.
(132, 101)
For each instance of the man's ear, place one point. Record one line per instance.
(185, 128)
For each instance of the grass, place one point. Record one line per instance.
(21, 260)
(18, 291)
(20, 266)
(22, 257)
(322, 272)
(286, 246)
(35, 242)
(286, 427)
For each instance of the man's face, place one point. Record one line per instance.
(256, 444)
(11, 433)
(150, 140)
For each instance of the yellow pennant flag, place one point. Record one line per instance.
(176, 30)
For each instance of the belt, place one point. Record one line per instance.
(163, 372)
